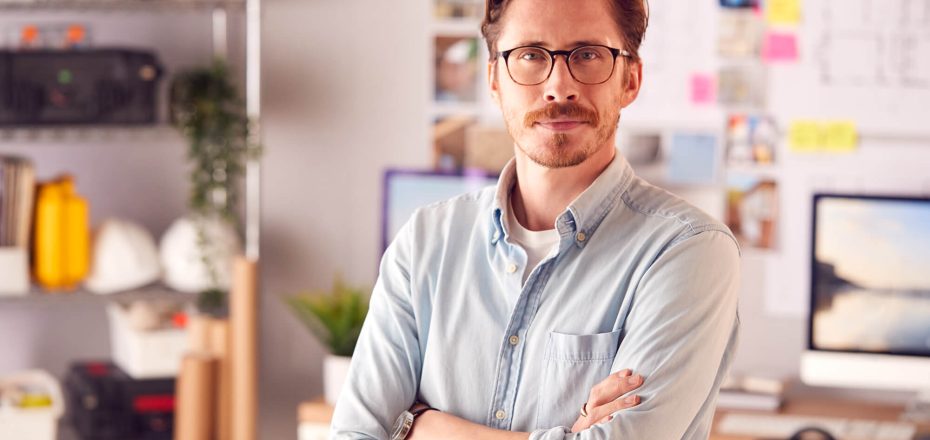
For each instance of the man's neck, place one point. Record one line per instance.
(541, 194)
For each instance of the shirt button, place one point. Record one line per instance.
(496, 236)
(581, 236)
(500, 414)
(511, 268)
(514, 340)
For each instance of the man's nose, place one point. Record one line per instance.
(561, 86)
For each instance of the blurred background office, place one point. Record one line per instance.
(150, 195)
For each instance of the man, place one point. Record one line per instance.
(514, 312)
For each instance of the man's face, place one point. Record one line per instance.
(562, 122)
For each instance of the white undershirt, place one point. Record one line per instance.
(537, 244)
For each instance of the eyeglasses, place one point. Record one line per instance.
(532, 65)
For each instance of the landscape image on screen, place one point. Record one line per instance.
(872, 276)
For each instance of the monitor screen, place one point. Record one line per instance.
(407, 190)
(870, 279)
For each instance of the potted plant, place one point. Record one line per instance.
(197, 249)
(336, 319)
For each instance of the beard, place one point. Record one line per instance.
(556, 150)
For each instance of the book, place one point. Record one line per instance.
(751, 393)
(743, 400)
(17, 193)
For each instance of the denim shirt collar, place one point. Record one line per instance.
(583, 215)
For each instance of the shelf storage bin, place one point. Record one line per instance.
(145, 354)
(32, 423)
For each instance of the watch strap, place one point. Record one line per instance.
(418, 412)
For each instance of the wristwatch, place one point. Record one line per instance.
(404, 422)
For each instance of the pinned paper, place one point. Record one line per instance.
(739, 3)
(783, 11)
(780, 47)
(703, 89)
(823, 136)
(692, 159)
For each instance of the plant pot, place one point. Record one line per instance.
(335, 370)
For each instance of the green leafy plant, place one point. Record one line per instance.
(206, 108)
(334, 317)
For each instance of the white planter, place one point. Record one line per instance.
(335, 370)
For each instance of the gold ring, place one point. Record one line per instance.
(584, 410)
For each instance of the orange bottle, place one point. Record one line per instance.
(62, 236)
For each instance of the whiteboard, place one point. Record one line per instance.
(862, 60)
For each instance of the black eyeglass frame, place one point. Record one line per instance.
(567, 54)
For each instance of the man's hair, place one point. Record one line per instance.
(631, 16)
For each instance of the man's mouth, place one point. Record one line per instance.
(561, 124)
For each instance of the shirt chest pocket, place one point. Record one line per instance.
(573, 365)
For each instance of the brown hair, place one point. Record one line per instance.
(631, 16)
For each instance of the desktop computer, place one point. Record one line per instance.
(406, 190)
(869, 319)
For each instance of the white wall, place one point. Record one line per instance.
(345, 95)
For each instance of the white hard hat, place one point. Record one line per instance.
(183, 258)
(124, 258)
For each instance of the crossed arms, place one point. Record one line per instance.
(679, 333)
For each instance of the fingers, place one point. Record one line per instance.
(604, 413)
(608, 409)
(605, 398)
(614, 386)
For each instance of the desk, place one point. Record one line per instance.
(315, 416)
(828, 407)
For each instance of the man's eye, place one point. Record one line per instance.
(530, 56)
(587, 55)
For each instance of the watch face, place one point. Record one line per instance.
(402, 426)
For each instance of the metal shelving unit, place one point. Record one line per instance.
(242, 362)
(122, 133)
(41, 298)
(120, 5)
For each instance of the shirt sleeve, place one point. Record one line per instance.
(681, 328)
(384, 374)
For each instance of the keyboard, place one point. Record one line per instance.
(777, 426)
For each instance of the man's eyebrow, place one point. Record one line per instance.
(578, 43)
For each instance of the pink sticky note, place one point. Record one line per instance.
(780, 47)
(703, 89)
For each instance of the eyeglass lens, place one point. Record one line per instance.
(588, 65)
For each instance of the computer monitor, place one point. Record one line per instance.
(869, 320)
(406, 190)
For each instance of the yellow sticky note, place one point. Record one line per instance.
(840, 136)
(783, 11)
(804, 136)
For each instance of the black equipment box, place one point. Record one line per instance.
(104, 403)
(80, 86)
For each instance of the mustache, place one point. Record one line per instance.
(556, 110)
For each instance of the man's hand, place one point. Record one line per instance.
(605, 400)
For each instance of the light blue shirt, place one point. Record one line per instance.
(640, 280)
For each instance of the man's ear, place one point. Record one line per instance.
(632, 83)
(493, 85)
